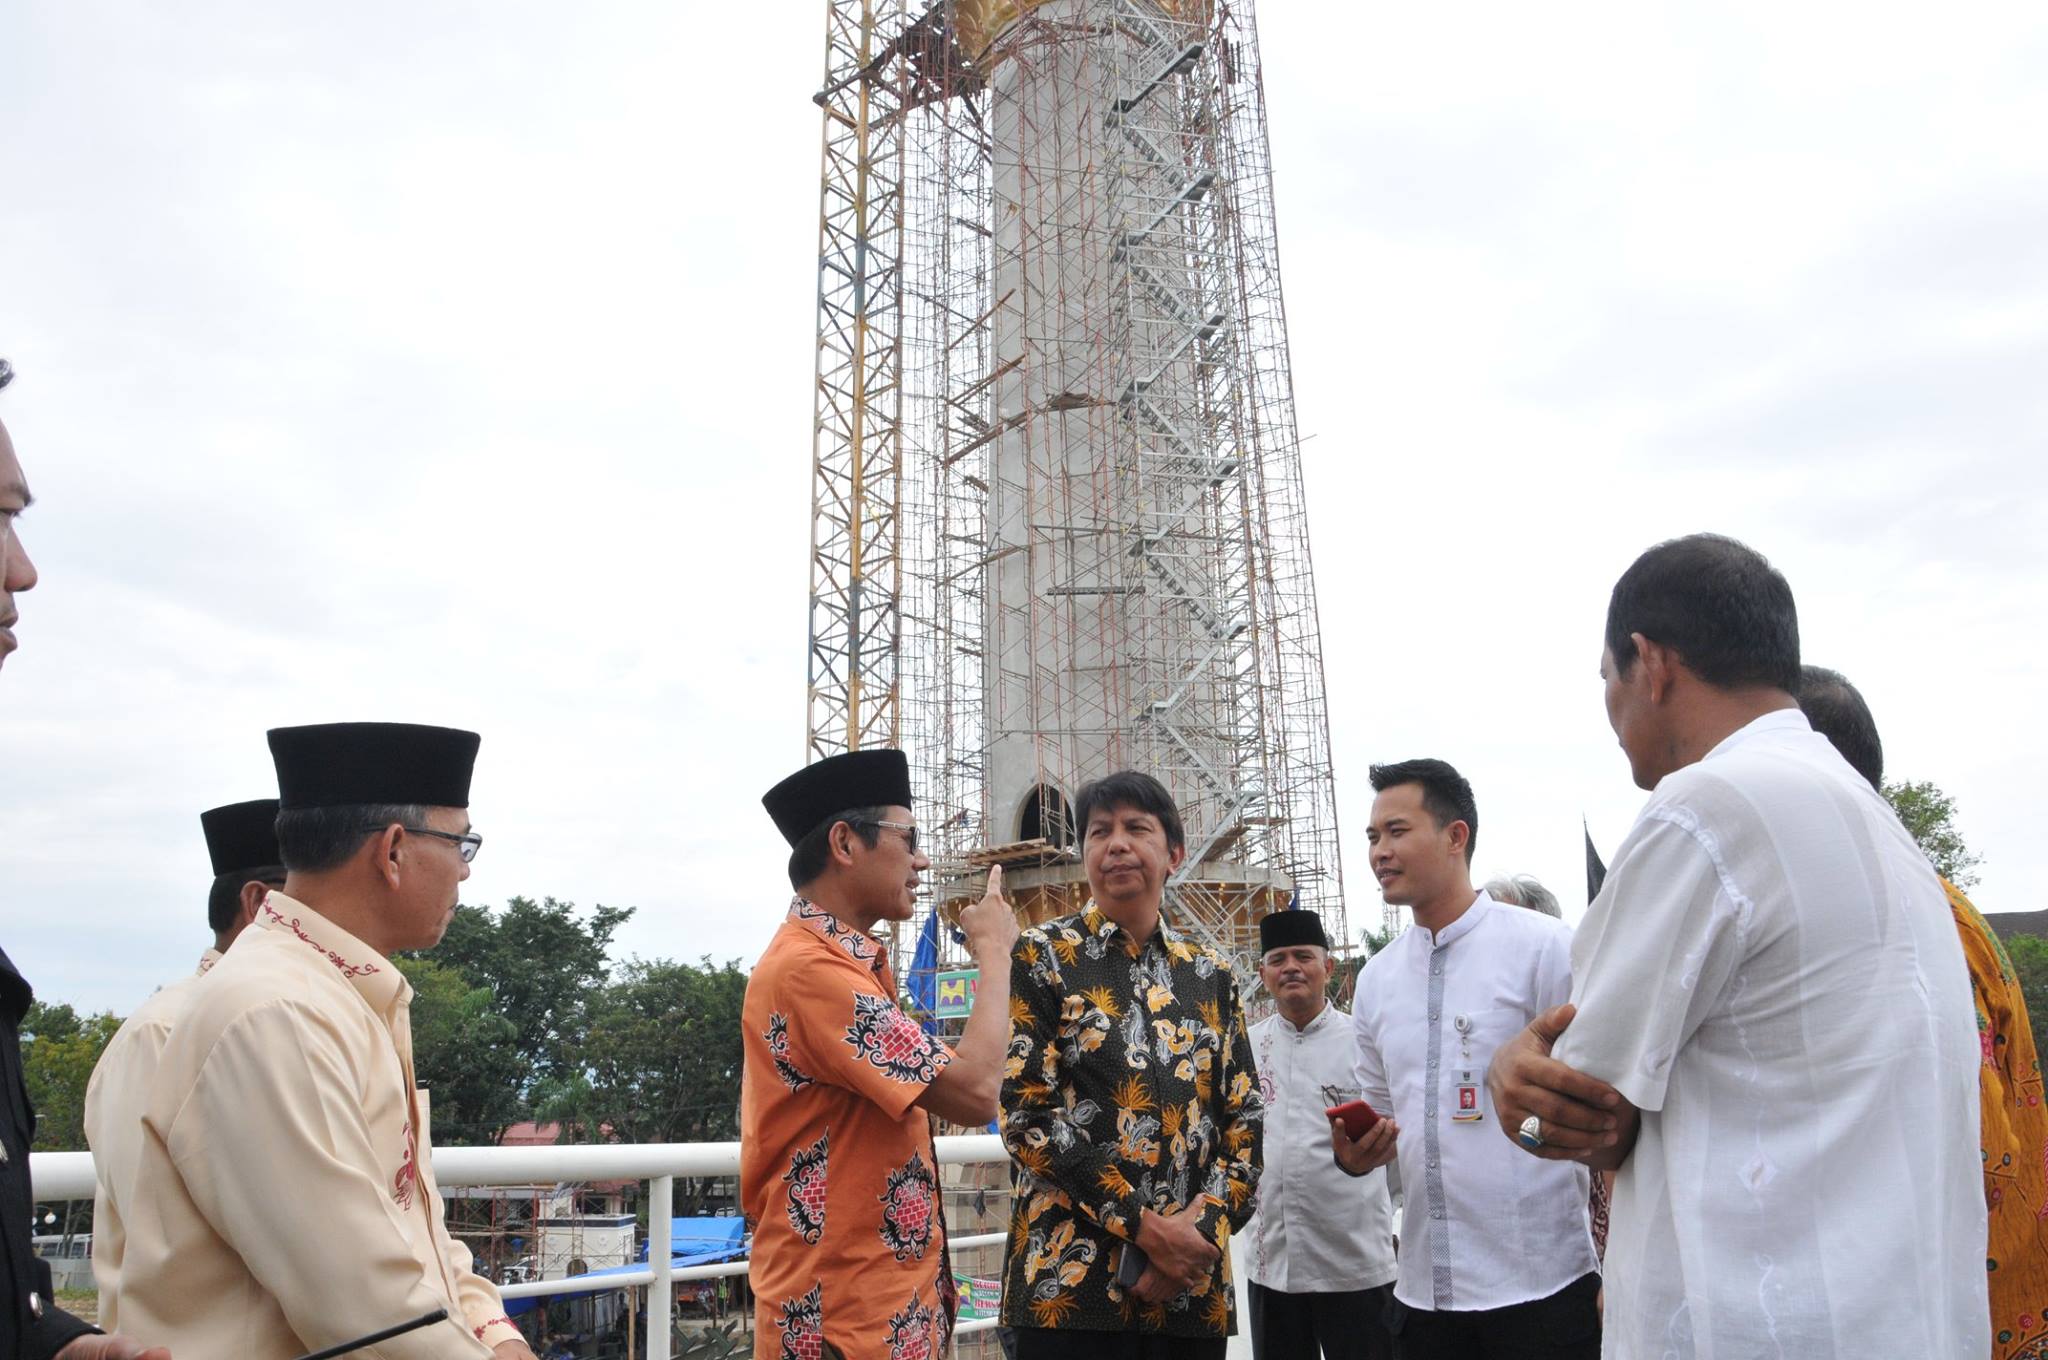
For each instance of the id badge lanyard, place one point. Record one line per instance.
(1466, 1109)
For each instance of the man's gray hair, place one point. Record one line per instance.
(1523, 890)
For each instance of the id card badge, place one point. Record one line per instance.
(1467, 1110)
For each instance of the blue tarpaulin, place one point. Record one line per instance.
(692, 1242)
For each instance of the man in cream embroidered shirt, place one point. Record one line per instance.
(241, 841)
(280, 1206)
(283, 1201)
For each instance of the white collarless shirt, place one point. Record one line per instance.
(1317, 1230)
(1483, 1224)
(1771, 975)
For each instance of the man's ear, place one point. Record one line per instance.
(1175, 856)
(1659, 666)
(839, 840)
(253, 893)
(1460, 832)
(384, 853)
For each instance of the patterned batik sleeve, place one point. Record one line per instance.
(1232, 1185)
(1044, 1135)
(842, 1029)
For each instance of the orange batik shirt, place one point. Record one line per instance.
(838, 1177)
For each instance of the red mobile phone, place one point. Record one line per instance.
(1357, 1116)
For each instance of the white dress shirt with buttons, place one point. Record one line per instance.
(1771, 974)
(1483, 1223)
(1317, 1230)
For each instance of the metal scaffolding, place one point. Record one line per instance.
(1060, 521)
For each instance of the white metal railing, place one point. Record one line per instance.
(68, 1176)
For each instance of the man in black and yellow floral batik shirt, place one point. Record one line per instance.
(1131, 1106)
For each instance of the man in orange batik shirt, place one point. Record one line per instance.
(838, 1175)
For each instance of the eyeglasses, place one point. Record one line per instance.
(909, 831)
(466, 843)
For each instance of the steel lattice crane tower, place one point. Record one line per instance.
(1059, 521)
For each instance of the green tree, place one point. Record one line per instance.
(2029, 955)
(661, 1061)
(541, 963)
(59, 1049)
(1930, 815)
(464, 1052)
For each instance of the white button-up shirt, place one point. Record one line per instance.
(1483, 1224)
(1771, 975)
(1317, 1230)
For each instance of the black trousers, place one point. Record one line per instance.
(1053, 1343)
(1565, 1326)
(1348, 1325)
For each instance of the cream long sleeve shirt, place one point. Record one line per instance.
(283, 1200)
(114, 1101)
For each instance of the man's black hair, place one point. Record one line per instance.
(1837, 712)
(1719, 604)
(1130, 789)
(1446, 794)
(809, 856)
(312, 840)
(224, 900)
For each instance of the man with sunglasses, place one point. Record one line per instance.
(837, 1171)
(285, 1201)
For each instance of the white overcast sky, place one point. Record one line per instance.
(452, 363)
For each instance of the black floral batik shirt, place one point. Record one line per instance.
(1129, 1086)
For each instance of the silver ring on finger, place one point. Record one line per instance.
(1530, 1135)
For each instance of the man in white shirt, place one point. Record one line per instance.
(1496, 1252)
(241, 842)
(1772, 1034)
(1321, 1247)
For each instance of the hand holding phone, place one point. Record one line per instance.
(1360, 1140)
(1357, 1116)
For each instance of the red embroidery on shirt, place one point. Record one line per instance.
(408, 1171)
(482, 1327)
(292, 924)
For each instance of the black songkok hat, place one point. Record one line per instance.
(857, 779)
(242, 836)
(344, 764)
(1287, 928)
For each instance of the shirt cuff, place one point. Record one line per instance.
(496, 1330)
(1120, 1215)
(1213, 1219)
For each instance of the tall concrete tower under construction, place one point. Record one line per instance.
(1059, 518)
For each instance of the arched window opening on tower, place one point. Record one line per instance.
(1047, 815)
